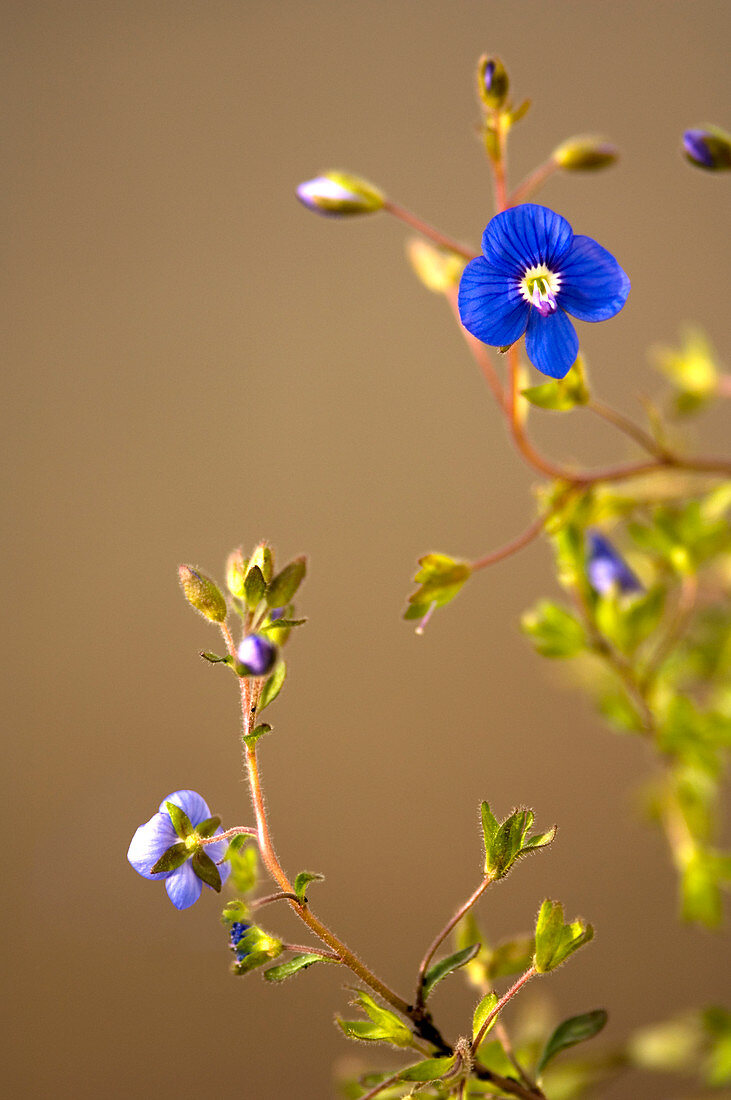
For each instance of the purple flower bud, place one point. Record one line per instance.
(607, 571)
(257, 654)
(492, 82)
(338, 193)
(709, 149)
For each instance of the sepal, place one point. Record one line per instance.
(208, 827)
(273, 685)
(174, 857)
(304, 878)
(585, 153)
(206, 870)
(563, 394)
(282, 589)
(202, 594)
(431, 1069)
(180, 820)
(441, 578)
(481, 1013)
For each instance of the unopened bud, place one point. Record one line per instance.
(492, 82)
(438, 269)
(202, 594)
(585, 154)
(338, 193)
(236, 567)
(709, 148)
(257, 654)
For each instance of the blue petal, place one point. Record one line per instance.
(217, 851)
(490, 305)
(593, 285)
(150, 842)
(606, 568)
(551, 343)
(526, 236)
(183, 887)
(189, 801)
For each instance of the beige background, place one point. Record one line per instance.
(196, 361)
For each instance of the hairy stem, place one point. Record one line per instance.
(442, 935)
(515, 988)
(532, 182)
(429, 231)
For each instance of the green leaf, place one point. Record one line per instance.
(384, 1026)
(208, 827)
(214, 658)
(700, 890)
(577, 1029)
(254, 587)
(243, 857)
(431, 1069)
(206, 870)
(512, 957)
(284, 586)
(446, 966)
(554, 631)
(235, 910)
(555, 941)
(562, 395)
(304, 878)
(293, 966)
(180, 820)
(441, 578)
(508, 841)
(282, 624)
(273, 685)
(173, 858)
(257, 732)
(481, 1013)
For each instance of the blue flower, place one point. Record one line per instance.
(236, 934)
(257, 653)
(533, 272)
(607, 571)
(158, 835)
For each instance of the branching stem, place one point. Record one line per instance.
(442, 935)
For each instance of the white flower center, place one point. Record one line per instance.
(539, 287)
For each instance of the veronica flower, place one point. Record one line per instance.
(606, 569)
(257, 653)
(172, 837)
(533, 272)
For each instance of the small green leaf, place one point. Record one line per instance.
(508, 841)
(554, 631)
(555, 941)
(284, 586)
(293, 966)
(562, 395)
(206, 870)
(489, 823)
(575, 1030)
(214, 658)
(302, 881)
(257, 732)
(282, 624)
(243, 858)
(254, 587)
(385, 1026)
(175, 857)
(481, 1013)
(180, 820)
(208, 827)
(447, 966)
(441, 578)
(273, 685)
(431, 1069)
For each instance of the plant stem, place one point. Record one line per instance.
(441, 936)
(624, 424)
(515, 988)
(250, 691)
(532, 182)
(504, 1040)
(513, 547)
(300, 950)
(429, 231)
(237, 830)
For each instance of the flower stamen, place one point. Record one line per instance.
(539, 287)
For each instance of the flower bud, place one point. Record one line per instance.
(336, 193)
(606, 569)
(236, 567)
(492, 82)
(709, 148)
(257, 654)
(264, 558)
(585, 154)
(438, 269)
(202, 594)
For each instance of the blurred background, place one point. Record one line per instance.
(196, 362)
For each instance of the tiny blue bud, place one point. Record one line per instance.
(709, 149)
(607, 571)
(492, 82)
(339, 193)
(257, 654)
